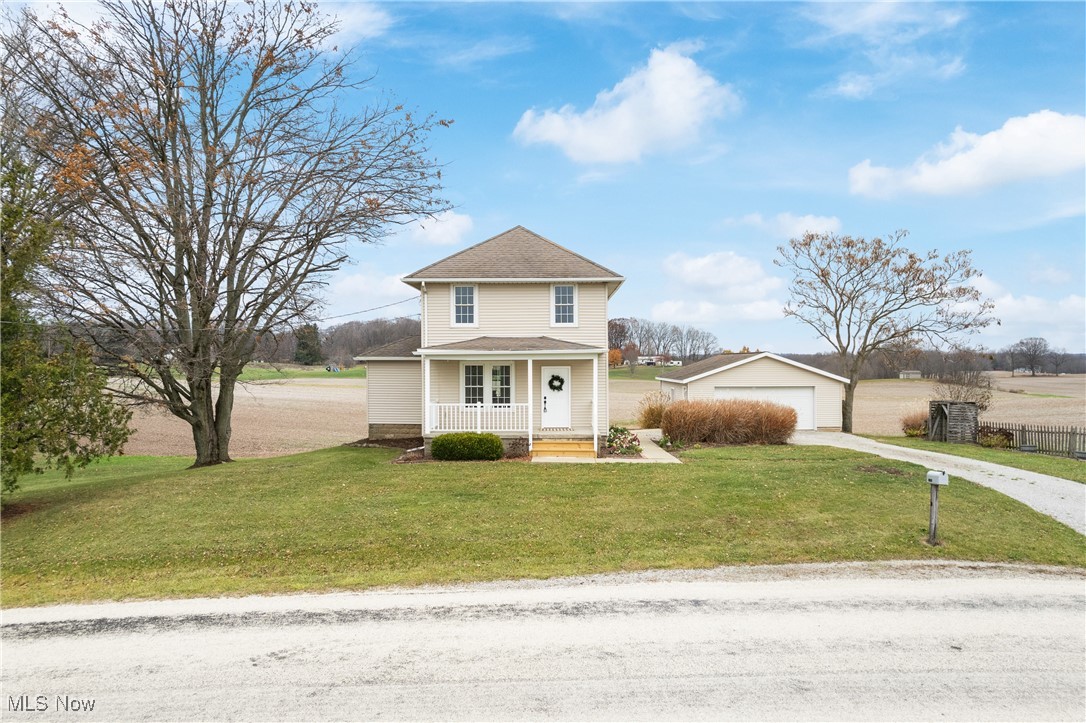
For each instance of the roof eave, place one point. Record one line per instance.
(413, 280)
(510, 354)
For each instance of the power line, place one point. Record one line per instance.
(326, 318)
(366, 311)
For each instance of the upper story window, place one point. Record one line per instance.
(464, 311)
(564, 303)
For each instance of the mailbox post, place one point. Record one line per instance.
(936, 478)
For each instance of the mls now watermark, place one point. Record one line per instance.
(45, 703)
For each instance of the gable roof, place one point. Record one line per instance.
(399, 349)
(516, 255)
(720, 362)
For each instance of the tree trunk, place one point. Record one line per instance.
(224, 408)
(846, 407)
(209, 423)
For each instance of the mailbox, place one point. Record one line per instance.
(935, 477)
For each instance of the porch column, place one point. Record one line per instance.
(531, 403)
(427, 422)
(596, 402)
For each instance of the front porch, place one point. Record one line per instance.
(555, 391)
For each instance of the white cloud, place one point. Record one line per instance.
(788, 225)
(662, 105)
(888, 37)
(448, 228)
(729, 275)
(721, 286)
(1038, 145)
(1060, 320)
(882, 23)
(1048, 275)
(358, 21)
(365, 287)
(708, 312)
(485, 51)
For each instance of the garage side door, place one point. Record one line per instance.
(802, 399)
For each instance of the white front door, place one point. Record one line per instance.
(555, 385)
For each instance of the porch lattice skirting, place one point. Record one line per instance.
(479, 418)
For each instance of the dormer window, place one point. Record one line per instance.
(563, 305)
(464, 312)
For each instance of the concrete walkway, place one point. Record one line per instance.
(1061, 499)
(651, 453)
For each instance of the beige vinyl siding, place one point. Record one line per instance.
(772, 373)
(445, 379)
(517, 310)
(674, 390)
(394, 390)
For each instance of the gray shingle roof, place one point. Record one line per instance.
(705, 365)
(516, 254)
(400, 348)
(514, 343)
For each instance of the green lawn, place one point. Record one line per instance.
(268, 372)
(1065, 467)
(347, 518)
(641, 373)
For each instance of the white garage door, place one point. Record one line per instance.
(802, 399)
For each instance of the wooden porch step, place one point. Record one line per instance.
(563, 448)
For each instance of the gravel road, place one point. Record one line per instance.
(812, 642)
(1058, 498)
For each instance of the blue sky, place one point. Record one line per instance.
(680, 144)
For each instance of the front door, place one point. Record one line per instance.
(555, 390)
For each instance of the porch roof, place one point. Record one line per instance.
(512, 344)
(399, 349)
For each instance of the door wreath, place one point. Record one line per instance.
(556, 383)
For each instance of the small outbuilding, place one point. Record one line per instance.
(815, 394)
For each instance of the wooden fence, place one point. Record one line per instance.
(1055, 441)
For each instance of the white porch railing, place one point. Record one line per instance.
(479, 418)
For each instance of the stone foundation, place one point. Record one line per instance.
(394, 431)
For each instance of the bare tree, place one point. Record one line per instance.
(618, 333)
(1031, 353)
(658, 336)
(218, 177)
(1058, 359)
(964, 377)
(861, 295)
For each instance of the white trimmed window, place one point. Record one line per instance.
(490, 384)
(473, 384)
(464, 310)
(564, 305)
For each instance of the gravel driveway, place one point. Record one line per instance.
(1058, 498)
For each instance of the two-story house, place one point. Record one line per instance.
(513, 341)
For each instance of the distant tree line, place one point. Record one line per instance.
(641, 337)
(337, 344)
(1031, 356)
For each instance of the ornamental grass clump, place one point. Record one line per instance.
(728, 421)
(915, 424)
(465, 446)
(650, 410)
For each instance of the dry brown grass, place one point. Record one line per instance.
(650, 410)
(915, 423)
(728, 421)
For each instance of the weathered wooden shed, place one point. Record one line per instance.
(950, 421)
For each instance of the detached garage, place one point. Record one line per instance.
(814, 394)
